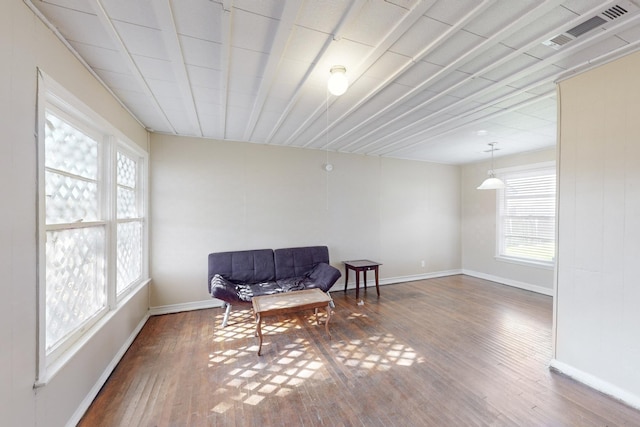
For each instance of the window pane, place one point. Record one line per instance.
(126, 171)
(75, 280)
(69, 199)
(127, 206)
(129, 254)
(69, 150)
(527, 214)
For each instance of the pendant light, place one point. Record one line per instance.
(338, 82)
(491, 183)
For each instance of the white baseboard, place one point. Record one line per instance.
(86, 402)
(596, 383)
(187, 306)
(513, 283)
(339, 286)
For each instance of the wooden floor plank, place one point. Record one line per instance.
(448, 351)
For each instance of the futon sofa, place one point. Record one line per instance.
(236, 277)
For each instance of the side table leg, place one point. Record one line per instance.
(377, 284)
(259, 331)
(346, 277)
(357, 283)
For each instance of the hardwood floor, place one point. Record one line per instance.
(454, 351)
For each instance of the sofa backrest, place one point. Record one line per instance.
(296, 262)
(252, 266)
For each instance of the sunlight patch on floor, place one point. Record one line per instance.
(379, 353)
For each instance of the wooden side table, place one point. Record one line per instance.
(359, 265)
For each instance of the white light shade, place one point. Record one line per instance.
(491, 183)
(338, 82)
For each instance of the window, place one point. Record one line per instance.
(92, 223)
(130, 221)
(527, 214)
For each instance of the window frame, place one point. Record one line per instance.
(51, 96)
(503, 173)
(142, 207)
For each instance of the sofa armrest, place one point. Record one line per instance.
(230, 292)
(322, 276)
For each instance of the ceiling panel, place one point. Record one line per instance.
(132, 12)
(100, 58)
(373, 21)
(418, 37)
(193, 18)
(201, 53)
(420, 86)
(141, 40)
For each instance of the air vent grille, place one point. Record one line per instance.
(561, 39)
(586, 26)
(599, 21)
(615, 12)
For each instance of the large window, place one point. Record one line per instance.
(92, 222)
(527, 214)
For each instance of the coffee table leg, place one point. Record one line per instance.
(259, 331)
(326, 324)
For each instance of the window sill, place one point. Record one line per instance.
(56, 365)
(527, 263)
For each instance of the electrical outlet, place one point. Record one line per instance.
(422, 263)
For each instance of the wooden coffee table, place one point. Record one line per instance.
(290, 302)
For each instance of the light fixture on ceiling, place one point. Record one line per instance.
(491, 183)
(338, 82)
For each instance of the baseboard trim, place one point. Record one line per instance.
(86, 402)
(595, 383)
(339, 286)
(513, 283)
(393, 280)
(187, 306)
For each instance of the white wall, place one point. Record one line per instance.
(25, 44)
(479, 228)
(598, 287)
(210, 196)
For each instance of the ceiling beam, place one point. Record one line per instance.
(482, 119)
(165, 16)
(280, 41)
(576, 45)
(415, 13)
(354, 8)
(225, 61)
(410, 63)
(477, 50)
(108, 26)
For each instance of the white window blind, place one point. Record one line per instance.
(527, 214)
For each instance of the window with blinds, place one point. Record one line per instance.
(527, 214)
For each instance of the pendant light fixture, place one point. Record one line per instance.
(491, 183)
(338, 82)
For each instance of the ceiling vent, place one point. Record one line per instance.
(601, 21)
